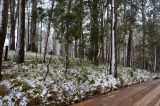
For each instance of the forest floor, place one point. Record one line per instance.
(144, 94)
(28, 84)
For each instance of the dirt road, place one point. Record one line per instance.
(144, 94)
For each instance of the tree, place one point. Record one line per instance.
(94, 31)
(13, 18)
(3, 28)
(153, 38)
(41, 15)
(19, 55)
(131, 27)
(81, 36)
(113, 41)
(33, 34)
(68, 19)
(5, 53)
(144, 33)
(48, 30)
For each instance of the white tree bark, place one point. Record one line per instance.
(1, 10)
(113, 57)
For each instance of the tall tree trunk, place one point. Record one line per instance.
(13, 18)
(102, 32)
(33, 35)
(12, 29)
(113, 41)
(129, 48)
(125, 33)
(108, 36)
(66, 43)
(155, 58)
(41, 37)
(3, 28)
(19, 55)
(48, 32)
(46, 42)
(81, 45)
(28, 30)
(94, 32)
(144, 34)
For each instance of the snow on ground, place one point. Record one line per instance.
(25, 85)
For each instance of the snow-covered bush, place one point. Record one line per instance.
(62, 87)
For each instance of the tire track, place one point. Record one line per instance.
(136, 97)
(126, 96)
(153, 103)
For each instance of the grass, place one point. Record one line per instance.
(33, 58)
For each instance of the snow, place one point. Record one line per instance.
(65, 87)
(6, 83)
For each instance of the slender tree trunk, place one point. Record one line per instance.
(113, 41)
(19, 55)
(102, 32)
(66, 56)
(66, 43)
(46, 42)
(144, 35)
(3, 28)
(124, 56)
(155, 58)
(48, 32)
(108, 36)
(12, 29)
(41, 37)
(94, 32)
(129, 48)
(28, 30)
(75, 49)
(125, 32)
(13, 18)
(81, 45)
(33, 35)
(6, 53)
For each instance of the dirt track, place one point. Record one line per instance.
(144, 94)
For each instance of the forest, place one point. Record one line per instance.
(59, 52)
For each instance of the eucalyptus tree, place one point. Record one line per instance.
(14, 8)
(67, 24)
(78, 9)
(143, 2)
(3, 28)
(94, 32)
(113, 41)
(33, 34)
(132, 19)
(41, 15)
(152, 25)
(19, 54)
(48, 29)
